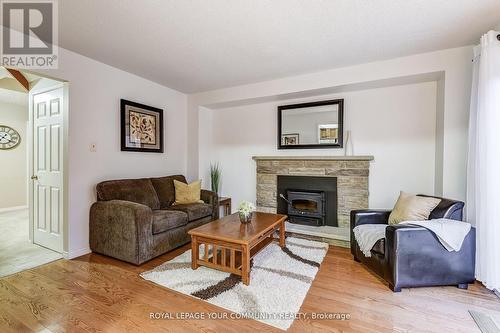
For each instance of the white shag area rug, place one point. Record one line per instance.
(279, 281)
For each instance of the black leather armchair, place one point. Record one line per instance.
(412, 256)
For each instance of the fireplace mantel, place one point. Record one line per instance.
(312, 158)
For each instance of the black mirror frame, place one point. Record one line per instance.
(340, 144)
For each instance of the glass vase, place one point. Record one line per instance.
(245, 218)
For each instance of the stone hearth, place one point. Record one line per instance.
(351, 171)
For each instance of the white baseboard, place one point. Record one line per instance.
(76, 253)
(11, 209)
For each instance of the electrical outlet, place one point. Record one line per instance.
(93, 147)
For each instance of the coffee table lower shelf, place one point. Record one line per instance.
(231, 257)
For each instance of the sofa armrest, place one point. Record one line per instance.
(369, 216)
(121, 229)
(366, 216)
(211, 198)
(415, 257)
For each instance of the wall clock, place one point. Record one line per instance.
(9, 137)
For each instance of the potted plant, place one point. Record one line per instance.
(245, 210)
(215, 176)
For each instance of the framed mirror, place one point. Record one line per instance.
(311, 125)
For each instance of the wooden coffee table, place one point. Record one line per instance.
(233, 244)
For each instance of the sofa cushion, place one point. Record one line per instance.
(186, 194)
(164, 220)
(194, 211)
(379, 247)
(447, 208)
(136, 190)
(164, 187)
(412, 208)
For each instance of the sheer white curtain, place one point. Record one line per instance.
(483, 174)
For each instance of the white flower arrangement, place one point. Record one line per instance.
(246, 208)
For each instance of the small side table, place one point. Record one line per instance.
(226, 203)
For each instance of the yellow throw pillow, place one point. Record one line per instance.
(410, 207)
(187, 194)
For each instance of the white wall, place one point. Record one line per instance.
(453, 66)
(13, 171)
(395, 124)
(95, 91)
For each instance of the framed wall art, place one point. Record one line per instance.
(328, 133)
(290, 139)
(141, 127)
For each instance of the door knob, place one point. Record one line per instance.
(35, 177)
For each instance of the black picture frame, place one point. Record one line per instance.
(148, 111)
(339, 144)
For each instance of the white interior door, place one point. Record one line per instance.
(47, 115)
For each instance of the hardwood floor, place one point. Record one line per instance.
(94, 293)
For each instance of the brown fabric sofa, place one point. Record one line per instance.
(134, 220)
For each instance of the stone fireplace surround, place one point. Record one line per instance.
(352, 174)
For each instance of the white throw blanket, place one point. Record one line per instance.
(367, 235)
(451, 233)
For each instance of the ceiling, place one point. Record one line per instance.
(11, 91)
(200, 45)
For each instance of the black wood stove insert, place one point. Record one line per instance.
(308, 200)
